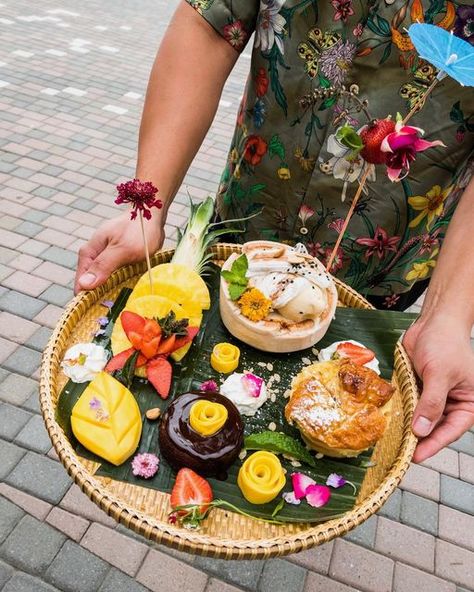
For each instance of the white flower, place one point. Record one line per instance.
(270, 25)
(83, 361)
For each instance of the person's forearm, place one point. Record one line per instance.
(183, 93)
(451, 290)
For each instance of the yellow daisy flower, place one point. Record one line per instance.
(430, 205)
(254, 305)
(420, 270)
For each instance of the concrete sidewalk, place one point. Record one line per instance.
(72, 80)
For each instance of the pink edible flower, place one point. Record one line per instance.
(252, 384)
(301, 483)
(141, 194)
(318, 495)
(401, 147)
(145, 465)
(209, 385)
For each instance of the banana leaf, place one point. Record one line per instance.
(378, 330)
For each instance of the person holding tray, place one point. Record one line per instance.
(317, 67)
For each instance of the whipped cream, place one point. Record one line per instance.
(294, 282)
(83, 361)
(234, 389)
(326, 354)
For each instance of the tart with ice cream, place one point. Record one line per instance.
(275, 297)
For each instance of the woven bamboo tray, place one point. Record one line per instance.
(225, 534)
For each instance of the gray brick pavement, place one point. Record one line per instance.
(67, 135)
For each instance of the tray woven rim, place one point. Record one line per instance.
(193, 541)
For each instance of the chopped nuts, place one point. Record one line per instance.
(153, 414)
(272, 426)
(242, 454)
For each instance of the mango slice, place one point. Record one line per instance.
(106, 419)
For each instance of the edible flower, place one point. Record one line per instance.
(334, 480)
(261, 477)
(318, 496)
(401, 147)
(209, 385)
(254, 305)
(290, 498)
(145, 465)
(225, 357)
(252, 384)
(141, 195)
(305, 487)
(83, 361)
(301, 483)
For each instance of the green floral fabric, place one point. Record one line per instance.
(315, 66)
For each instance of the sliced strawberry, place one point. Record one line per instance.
(159, 372)
(150, 348)
(118, 361)
(182, 341)
(167, 345)
(135, 339)
(151, 329)
(358, 354)
(191, 488)
(132, 321)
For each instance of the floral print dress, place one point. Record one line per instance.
(317, 64)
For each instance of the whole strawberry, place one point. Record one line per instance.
(373, 136)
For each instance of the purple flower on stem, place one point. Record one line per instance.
(209, 385)
(145, 465)
(334, 480)
(108, 303)
(141, 195)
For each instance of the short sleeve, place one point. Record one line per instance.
(235, 20)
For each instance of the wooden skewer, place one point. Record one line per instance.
(349, 216)
(147, 253)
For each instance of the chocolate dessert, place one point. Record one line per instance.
(182, 446)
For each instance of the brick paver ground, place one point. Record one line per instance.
(72, 80)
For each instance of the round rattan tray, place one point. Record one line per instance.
(225, 534)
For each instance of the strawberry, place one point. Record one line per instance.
(131, 321)
(167, 345)
(356, 353)
(159, 372)
(372, 136)
(191, 489)
(151, 329)
(118, 361)
(182, 341)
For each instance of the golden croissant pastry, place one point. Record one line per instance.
(340, 408)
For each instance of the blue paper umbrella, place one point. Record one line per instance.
(450, 54)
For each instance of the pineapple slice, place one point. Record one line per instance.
(177, 282)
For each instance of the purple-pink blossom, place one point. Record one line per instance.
(141, 196)
(145, 465)
(402, 146)
(209, 385)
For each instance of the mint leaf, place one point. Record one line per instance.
(232, 278)
(240, 266)
(280, 444)
(236, 291)
(236, 277)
